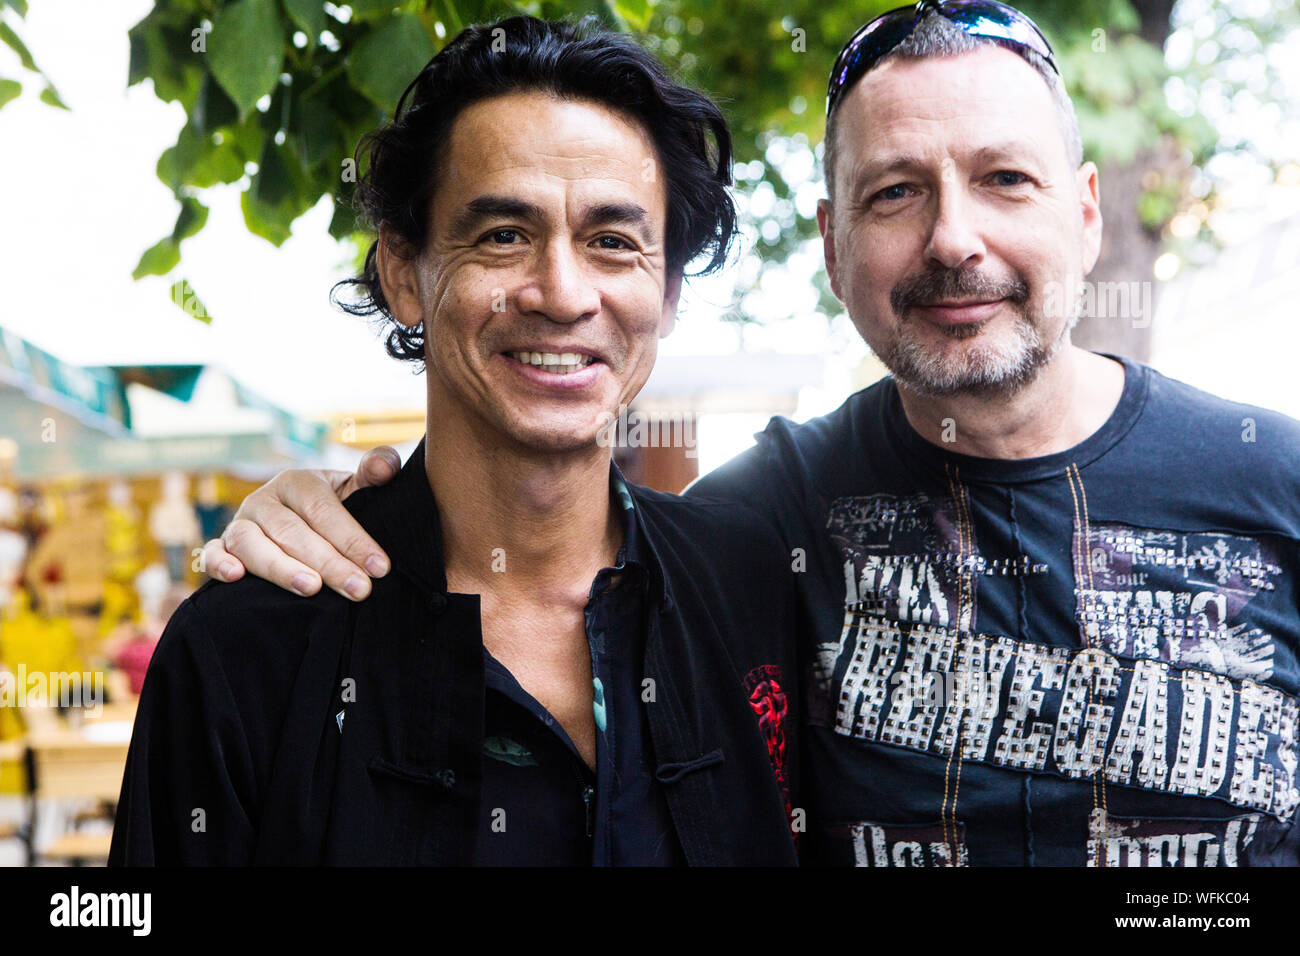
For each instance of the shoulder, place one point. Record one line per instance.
(368, 504)
(1193, 406)
(1246, 458)
(1239, 436)
(725, 519)
(710, 538)
(827, 433)
(250, 634)
(787, 455)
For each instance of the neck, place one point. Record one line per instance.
(1070, 398)
(517, 519)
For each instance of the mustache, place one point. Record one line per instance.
(941, 285)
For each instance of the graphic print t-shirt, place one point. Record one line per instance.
(1088, 658)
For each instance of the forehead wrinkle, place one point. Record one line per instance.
(1000, 97)
(607, 145)
(912, 143)
(566, 167)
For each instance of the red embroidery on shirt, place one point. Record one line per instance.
(768, 700)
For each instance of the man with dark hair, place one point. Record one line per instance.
(1053, 597)
(546, 676)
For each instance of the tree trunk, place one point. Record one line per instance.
(1128, 254)
(1128, 248)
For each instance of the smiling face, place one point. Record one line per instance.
(959, 231)
(543, 286)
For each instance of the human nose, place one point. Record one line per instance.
(560, 289)
(954, 237)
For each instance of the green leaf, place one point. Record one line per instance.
(635, 13)
(372, 9)
(144, 56)
(274, 182)
(11, 40)
(187, 300)
(344, 222)
(20, 6)
(212, 107)
(162, 52)
(246, 50)
(197, 161)
(262, 220)
(279, 194)
(217, 164)
(191, 219)
(309, 17)
(384, 61)
(159, 259)
(9, 89)
(318, 131)
(247, 137)
(449, 15)
(50, 96)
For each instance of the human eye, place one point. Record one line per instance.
(612, 243)
(1009, 177)
(503, 237)
(892, 193)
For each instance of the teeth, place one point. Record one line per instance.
(559, 363)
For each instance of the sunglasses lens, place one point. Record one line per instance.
(981, 18)
(998, 22)
(866, 49)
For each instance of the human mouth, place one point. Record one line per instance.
(960, 313)
(556, 363)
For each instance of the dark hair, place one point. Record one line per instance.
(568, 60)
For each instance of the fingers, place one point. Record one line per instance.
(265, 558)
(378, 466)
(296, 533)
(339, 546)
(219, 563)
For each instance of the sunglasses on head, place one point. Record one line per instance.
(978, 18)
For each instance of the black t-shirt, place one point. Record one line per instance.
(1084, 658)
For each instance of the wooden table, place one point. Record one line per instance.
(80, 762)
(77, 762)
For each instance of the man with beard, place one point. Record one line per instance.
(1051, 596)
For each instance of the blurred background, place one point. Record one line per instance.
(174, 186)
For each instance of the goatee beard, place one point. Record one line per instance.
(984, 369)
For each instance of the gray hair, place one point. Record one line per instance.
(936, 35)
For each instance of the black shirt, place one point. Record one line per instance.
(1087, 658)
(277, 729)
(537, 791)
(542, 805)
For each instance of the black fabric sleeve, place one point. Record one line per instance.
(189, 784)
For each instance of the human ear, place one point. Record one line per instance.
(672, 295)
(1090, 205)
(397, 266)
(826, 223)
